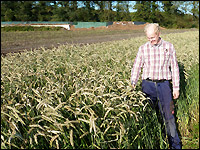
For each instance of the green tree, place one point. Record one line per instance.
(168, 14)
(43, 10)
(73, 11)
(9, 9)
(104, 12)
(61, 11)
(34, 11)
(126, 15)
(195, 9)
(176, 14)
(143, 11)
(89, 8)
(101, 12)
(191, 11)
(25, 11)
(122, 11)
(118, 10)
(110, 11)
(155, 15)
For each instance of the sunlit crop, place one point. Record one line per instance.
(81, 97)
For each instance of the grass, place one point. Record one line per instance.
(188, 110)
(28, 28)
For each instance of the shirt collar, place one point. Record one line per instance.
(159, 44)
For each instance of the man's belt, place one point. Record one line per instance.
(157, 81)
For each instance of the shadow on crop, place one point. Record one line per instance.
(182, 93)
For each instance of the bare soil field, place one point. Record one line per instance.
(31, 40)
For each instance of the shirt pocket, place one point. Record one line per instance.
(166, 56)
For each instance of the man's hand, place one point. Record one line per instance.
(133, 86)
(175, 94)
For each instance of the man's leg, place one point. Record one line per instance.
(149, 89)
(165, 97)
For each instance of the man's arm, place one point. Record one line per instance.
(175, 74)
(135, 71)
(175, 94)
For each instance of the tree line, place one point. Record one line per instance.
(171, 14)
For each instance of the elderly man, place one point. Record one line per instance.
(158, 59)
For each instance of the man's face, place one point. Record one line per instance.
(153, 37)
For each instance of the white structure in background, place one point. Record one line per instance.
(66, 26)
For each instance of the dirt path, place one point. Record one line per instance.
(53, 42)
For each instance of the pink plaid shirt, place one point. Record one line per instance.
(158, 62)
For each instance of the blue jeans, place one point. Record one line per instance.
(161, 96)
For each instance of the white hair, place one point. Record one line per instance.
(155, 27)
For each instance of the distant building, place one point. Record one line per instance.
(138, 23)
